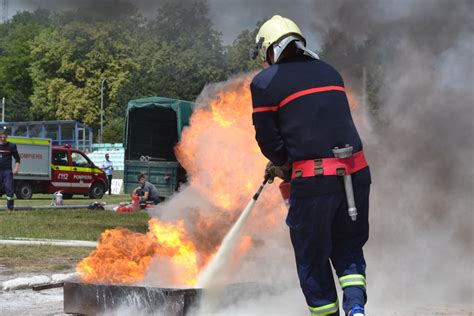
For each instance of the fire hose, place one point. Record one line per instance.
(228, 244)
(223, 254)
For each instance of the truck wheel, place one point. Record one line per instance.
(96, 191)
(24, 191)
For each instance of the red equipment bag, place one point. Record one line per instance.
(285, 188)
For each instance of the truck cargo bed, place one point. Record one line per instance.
(163, 174)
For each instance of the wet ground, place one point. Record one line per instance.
(288, 303)
(29, 302)
(26, 301)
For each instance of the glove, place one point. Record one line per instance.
(282, 172)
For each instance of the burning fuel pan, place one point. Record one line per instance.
(93, 299)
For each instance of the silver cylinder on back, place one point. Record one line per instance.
(346, 152)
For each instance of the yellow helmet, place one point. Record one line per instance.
(275, 31)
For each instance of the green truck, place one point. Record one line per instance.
(153, 127)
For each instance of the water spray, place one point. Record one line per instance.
(222, 256)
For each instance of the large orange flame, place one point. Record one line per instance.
(121, 257)
(225, 165)
(227, 168)
(172, 242)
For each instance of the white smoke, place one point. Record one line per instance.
(237, 160)
(420, 149)
(421, 247)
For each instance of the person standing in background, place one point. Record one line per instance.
(108, 167)
(7, 151)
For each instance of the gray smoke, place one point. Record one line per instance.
(420, 251)
(419, 146)
(229, 17)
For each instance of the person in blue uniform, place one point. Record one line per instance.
(302, 119)
(7, 151)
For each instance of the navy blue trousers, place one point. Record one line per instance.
(6, 180)
(322, 233)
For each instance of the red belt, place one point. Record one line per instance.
(329, 166)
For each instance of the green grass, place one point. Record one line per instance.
(46, 199)
(76, 224)
(41, 259)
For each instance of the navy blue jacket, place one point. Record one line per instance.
(301, 112)
(7, 151)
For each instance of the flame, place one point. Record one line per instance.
(122, 256)
(225, 166)
(245, 243)
(228, 168)
(173, 243)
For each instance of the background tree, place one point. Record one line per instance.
(52, 66)
(113, 130)
(70, 64)
(181, 52)
(353, 58)
(16, 40)
(238, 55)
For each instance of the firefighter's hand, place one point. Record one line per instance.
(270, 172)
(16, 169)
(282, 172)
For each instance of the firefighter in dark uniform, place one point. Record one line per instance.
(7, 151)
(302, 118)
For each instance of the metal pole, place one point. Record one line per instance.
(101, 109)
(102, 106)
(3, 109)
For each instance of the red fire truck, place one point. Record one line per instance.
(48, 169)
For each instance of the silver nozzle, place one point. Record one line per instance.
(352, 213)
(346, 152)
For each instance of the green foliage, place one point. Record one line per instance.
(113, 130)
(237, 57)
(180, 55)
(352, 58)
(185, 23)
(70, 64)
(16, 39)
(53, 67)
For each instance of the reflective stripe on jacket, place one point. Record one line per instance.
(301, 112)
